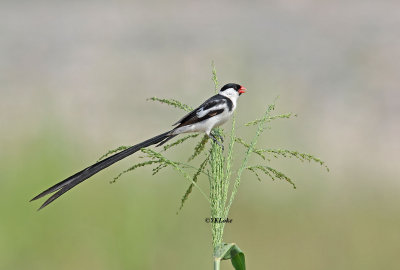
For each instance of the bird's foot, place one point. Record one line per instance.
(212, 136)
(218, 135)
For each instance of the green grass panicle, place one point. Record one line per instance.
(216, 165)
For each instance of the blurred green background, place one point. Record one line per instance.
(74, 78)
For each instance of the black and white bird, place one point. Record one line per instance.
(214, 112)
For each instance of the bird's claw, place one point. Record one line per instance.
(217, 134)
(212, 136)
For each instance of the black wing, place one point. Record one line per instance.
(193, 117)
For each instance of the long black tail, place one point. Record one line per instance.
(81, 176)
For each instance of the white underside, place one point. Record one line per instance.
(207, 125)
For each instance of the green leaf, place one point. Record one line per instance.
(238, 261)
(231, 252)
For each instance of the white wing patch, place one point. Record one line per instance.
(201, 112)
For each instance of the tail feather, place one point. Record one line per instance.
(166, 140)
(81, 176)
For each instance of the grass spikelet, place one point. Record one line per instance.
(300, 156)
(253, 170)
(194, 179)
(173, 102)
(264, 119)
(271, 172)
(199, 147)
(260, 129)
(161, 159)
(159, 168)
(229, 159)
(214, 77)
(118, 149)
(259, 152)
(283, 116)
(138, 165)
(217, 187)
(272, 117)
(166, 147)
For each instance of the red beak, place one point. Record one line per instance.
(242, 90)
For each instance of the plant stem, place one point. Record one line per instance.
(217, 264)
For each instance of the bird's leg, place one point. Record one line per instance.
(215, 140)
(217, 134)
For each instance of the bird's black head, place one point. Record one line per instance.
(237, 87)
